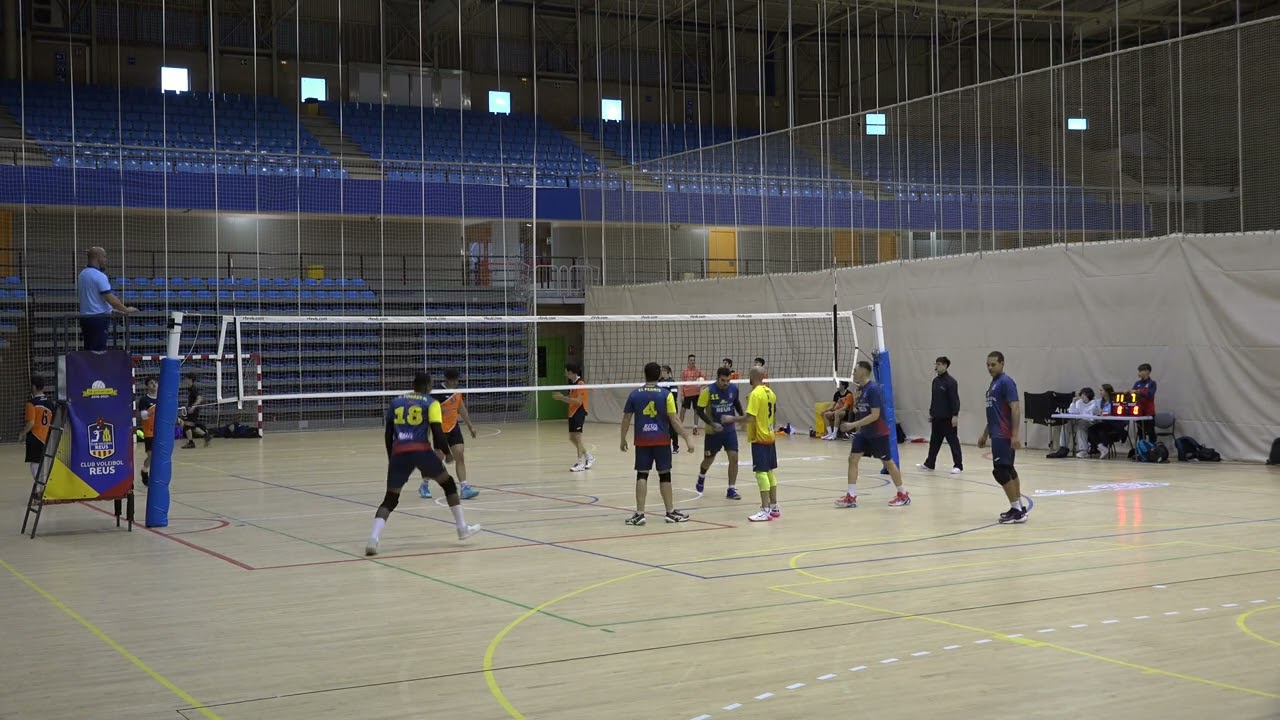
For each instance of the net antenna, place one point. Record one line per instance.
(869, 316)
(798, 348)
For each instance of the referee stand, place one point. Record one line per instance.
(89, 452)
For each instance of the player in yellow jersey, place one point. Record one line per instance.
(762, 406)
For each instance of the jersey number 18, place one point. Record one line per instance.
(414, 415)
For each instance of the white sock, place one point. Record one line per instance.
(902, 488)
(378, 524)
(457, 517)
(1015, 505)
(853, 490)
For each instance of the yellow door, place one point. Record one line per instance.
(722, 253)
(845, 251)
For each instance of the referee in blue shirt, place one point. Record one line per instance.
(97, 301)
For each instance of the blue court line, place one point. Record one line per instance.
(509, 536)
(980, 549)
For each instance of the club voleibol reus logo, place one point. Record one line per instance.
(101, 439)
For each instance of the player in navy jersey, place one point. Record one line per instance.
(416, 439)
(719, 407)
(1146, 389)
(656, 410)
(1004, 413)
(872, 437)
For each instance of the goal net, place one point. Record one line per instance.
(210, 375)
(334, 370)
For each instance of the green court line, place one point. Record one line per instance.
(386, 564)
(767, 606)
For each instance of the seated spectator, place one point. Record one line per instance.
(1084, 403)
(1104, 434)
(835, 412)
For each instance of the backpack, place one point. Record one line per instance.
(1274, 458)
(1188, 449)
(1159, 454)
(1143, 451)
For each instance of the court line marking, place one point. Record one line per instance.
(111, 643)
(1242, 623)
(994, 635)
(180, 541)
(491, 680)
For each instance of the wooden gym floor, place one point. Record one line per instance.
(257, 602)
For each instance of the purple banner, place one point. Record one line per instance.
(99, 428)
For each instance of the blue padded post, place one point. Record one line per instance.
(162, 445)
(884, 376)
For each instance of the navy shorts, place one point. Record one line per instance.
(876, 447)
(689, 402)
(715, 442)
(764, 457)
(455, 436)
(577, 420)
(651, 457)
(148, 443)
(401, 466)
(35, 449)
(1002, 452)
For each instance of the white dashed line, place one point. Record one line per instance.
(1015, 635)
(765, 696)
(983, 641)
(1202, 609)
(1110, 622)
(828, 676)
(922, 653)
(951, 647)
(1172, 612)
(858, 669)
(886, 661)
(1255, 602)
(1231, 605)
(702, 717)
(1159, 587)
(1141, 617)
(1080, 625)
(734, 706)
(795, 686)
(1047, 630)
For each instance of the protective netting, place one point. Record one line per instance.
(1177, 136)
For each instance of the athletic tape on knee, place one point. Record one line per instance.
(762, 480)
(773, 481)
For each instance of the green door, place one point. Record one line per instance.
(551, 359)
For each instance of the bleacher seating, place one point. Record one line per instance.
(141, 129)
(469, 151)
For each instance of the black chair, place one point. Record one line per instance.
(1164, 422)
(1039, 408)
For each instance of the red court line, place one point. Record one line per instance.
(595, 504)
(481, 549)
(178, 540)
(221, 524)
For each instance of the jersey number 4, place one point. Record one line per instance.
(650, 410)
(414, 415)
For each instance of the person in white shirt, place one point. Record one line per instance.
(1084, 403)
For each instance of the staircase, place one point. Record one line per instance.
(611, 161)
(15, 147)
(358, 164)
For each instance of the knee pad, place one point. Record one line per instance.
(449, 486)
(1003, 474)
(391, 500)
(762, 480)
(642, 476)
(664, 477)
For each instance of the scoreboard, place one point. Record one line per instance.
(1125, 404)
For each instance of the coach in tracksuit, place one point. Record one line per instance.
(944, 416)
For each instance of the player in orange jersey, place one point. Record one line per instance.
(38, 416)
(147, 423)
(577, 401)
(453, 407)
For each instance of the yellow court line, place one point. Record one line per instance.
(166, 682)
(1229, 547)
(1244, 627)
(492, 681)
(818, 579)
(1145, 669)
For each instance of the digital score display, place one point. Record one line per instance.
(1125, 404)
